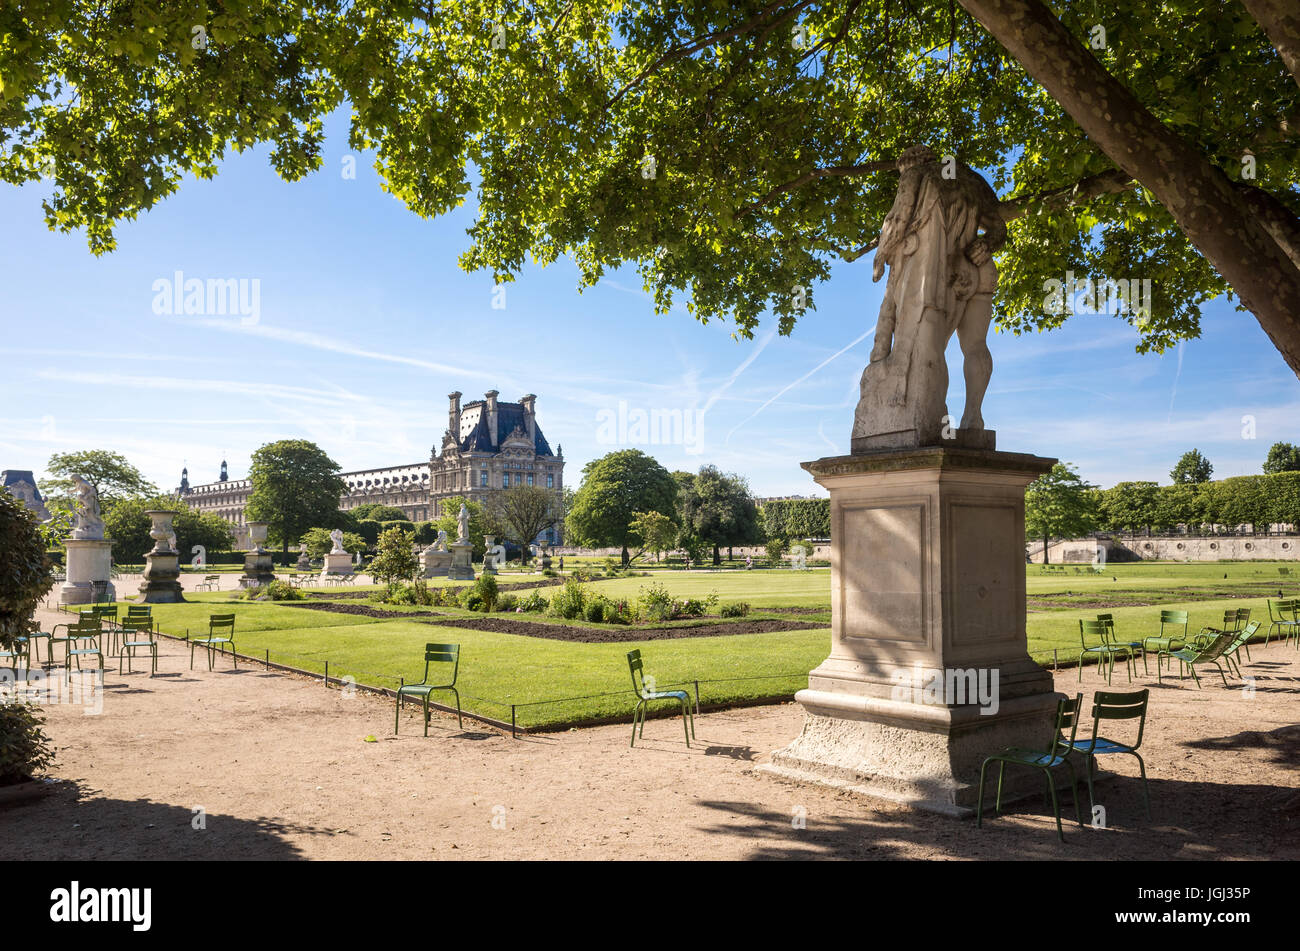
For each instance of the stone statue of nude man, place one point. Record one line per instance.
(941, 281)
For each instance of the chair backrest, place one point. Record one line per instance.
(1245, 634)
(221, 624)
(1230, 620)
(1217, 646)
(442, 654)
(637, 667)
(1111, 705)
(1067, 719)
(1278, 610)
(1173, 619)
(1243, 615)
(1095, 630)
(1109, 621)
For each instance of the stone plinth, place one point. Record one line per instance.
(434, 563)
(929, 670)
(259, 566)
(89, 560)
(462, 561)
(162, 565)
(337, 563)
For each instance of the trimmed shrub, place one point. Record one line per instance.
(485, 589)
(24, 570)
(654, 603)
(569, 600)
(532, 602)
(277, 590)
(25, 750)
(734, 609)
(369, 529)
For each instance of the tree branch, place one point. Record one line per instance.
(1112, 182)
(1281, 24)
(834, 171)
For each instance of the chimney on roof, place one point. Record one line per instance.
(492, 414)
(453, 415)
(529, 403)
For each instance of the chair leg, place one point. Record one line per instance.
(426, 714)
(636, 715)
(1056, 809)
(979, 803)
(397, 713)
(1074, 791)
(1146, 796)
(1002, 768)
(685, 728)
(459, 721)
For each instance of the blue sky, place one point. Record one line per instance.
(365, 323)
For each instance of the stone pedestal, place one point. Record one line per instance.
(162, 565)
(339, 563)
(929, 670)
(489, 559)
(89, 560)
(259, 566)
(462, 561)
(434, 563)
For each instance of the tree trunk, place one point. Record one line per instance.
(1208, 207)
(1046, 540)
(625, 557)
(717, 556)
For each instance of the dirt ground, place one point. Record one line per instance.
(281, 768)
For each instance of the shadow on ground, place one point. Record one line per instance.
(61, 824)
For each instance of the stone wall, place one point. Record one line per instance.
(1170, 548)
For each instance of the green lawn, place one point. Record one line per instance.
(498, 670)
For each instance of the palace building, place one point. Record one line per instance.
(488, 446)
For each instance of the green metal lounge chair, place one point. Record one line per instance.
(1243, 621)
(1189, 657)
(433, 654)
(137, 636)
(1105, 651)
(646, 693)
(221, 631)
(1112, 639)
(1165, 641)
(1238, 643)
(1057, 753)
(1282, 616)
(1115, 706)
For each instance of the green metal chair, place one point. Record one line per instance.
(1170, 621)
(84, 639)
(1105, 651)
(1243, 621)
(1282, 615)
(645, 694)
(1112, 639)
(221, 631)
(134, 637)
(140, 614)
(86, 627)
(1115, 706)
(1238, 643)
(1189, 657)
(1057, 753)
(433, 654)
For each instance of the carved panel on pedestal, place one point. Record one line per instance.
(883, 571)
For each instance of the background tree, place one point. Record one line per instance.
(1182, 503)
(24, 570)
(377, 511)
(656, 531)
(614, 489)
(396, 559)
(128, 526)
(1282, 457)
(319, 543)
(482, 521)
(718, 507)
(113, 477)
(524, 512)
(796, 518)
(295, 486)
(1192, 467)
(1129, 506)
(1057, 505)
(733, 149)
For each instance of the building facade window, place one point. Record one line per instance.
(505, 480)
(550, 481)
(530, 480)
(483, 478)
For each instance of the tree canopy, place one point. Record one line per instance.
(296, 486)
(717, 508)
(524, 512)
(615, 489)
(128, 526)
(1282, 457)
(1057, 505)
(112, 475)
(731, 152)
(1192, 468)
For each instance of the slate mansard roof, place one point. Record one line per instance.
(476, 437)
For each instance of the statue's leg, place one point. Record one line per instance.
(977, 362)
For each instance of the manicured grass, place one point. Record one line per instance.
(498, 670)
